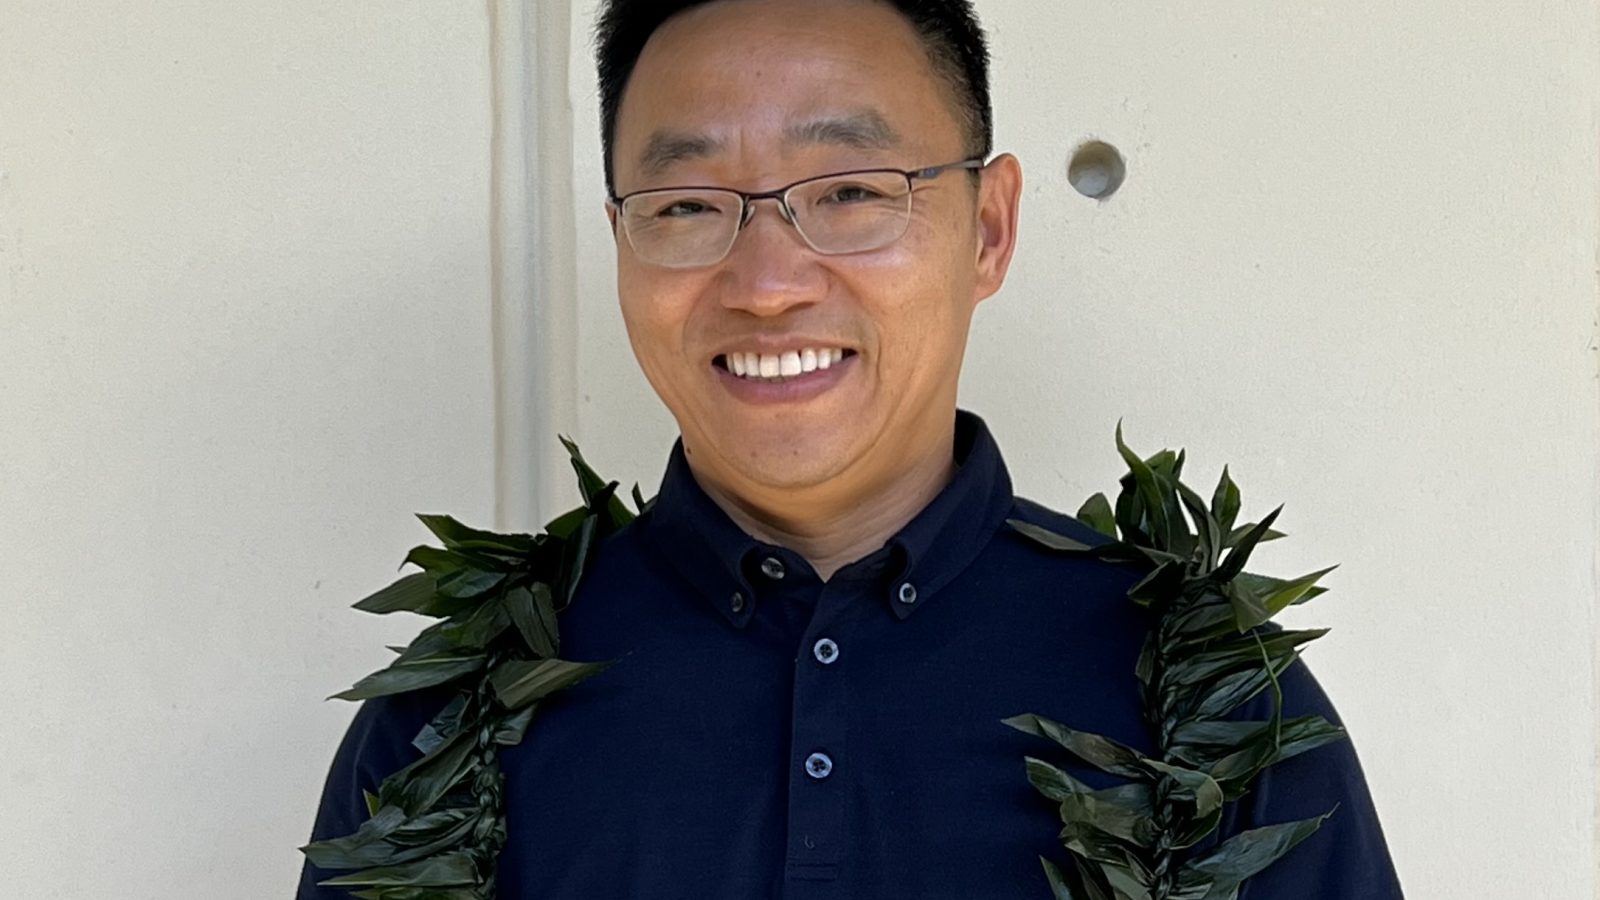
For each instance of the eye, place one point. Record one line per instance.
(851, 193)
(684, 209)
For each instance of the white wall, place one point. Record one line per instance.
(256, 306)
(244, 333)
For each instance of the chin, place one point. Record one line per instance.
(789, 465)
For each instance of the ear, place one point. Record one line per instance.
(611, 215)
(999, 195)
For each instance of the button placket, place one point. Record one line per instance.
(818, 792)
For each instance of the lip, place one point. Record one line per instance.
(794, 389)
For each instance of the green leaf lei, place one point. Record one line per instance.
(1207, 654)
(436, 827)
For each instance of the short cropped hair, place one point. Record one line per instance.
(949, 31)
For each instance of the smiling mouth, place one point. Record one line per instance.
(775, 368)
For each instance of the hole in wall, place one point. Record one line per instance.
(1096, 170)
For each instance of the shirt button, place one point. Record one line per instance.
(818, 765)
(908, 593)
(772, 567)
(826, 651)
(738, 602)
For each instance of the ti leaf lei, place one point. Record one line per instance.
(436, 827)
(1207, 654)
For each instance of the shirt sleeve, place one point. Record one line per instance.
(377, 744)
(1347, 858)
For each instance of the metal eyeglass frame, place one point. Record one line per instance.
(747, 200)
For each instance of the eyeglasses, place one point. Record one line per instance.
(845, 212)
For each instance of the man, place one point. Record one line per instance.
(824, 618)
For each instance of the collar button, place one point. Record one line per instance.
(772, 567)
(908, 593)
(737, 602)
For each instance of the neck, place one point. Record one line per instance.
(843, 519)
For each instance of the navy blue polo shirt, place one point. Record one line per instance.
(768, 734)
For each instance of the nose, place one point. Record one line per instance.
(770, 269)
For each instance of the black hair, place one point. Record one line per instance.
(949, 31)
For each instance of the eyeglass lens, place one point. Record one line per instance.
(835, 214)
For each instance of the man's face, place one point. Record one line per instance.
(754, 95)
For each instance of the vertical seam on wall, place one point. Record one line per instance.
(533, 315)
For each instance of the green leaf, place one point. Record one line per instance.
(1207, 617)
(1248, 610)
(513, 728)
(466, 583)
(443, 727)
(577, 558)
(1096, 513)
(420, 785)
(563, 526)
(1157, 500)
(533, 612)
(1058, 882)
(1313, 731)
(477, 629)
(1290, 593)
(431, 893)
(1205, 525)
(1234, 690)
(1090, 842)
(1263, 586)
(344, 852)
(1247, 651)
(451, 869)
(1126, 883)
(597, 494)
(1164, 582)
(520, 682)
(413, 674)
(1053, 782)
(1101, 752)
(435, 827)
(435, 560)
(1047, 538)
(1225, 502)
(1198, 788)
(1240, 531)
(1248, 852)
(412, 593)
(1108, 816)
(457, 536)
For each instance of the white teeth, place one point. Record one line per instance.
(788, 364)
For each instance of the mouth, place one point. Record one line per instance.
(776, 368)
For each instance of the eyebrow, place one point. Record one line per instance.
(864, 130)
(667, 147)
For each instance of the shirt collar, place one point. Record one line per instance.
(712, 553)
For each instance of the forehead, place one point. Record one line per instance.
(784, 78)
